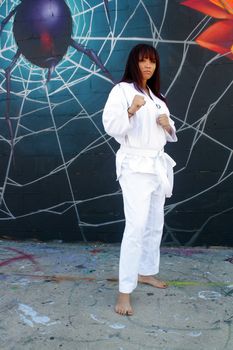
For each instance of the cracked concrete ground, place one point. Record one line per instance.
(61, 296)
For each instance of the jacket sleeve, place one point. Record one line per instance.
(115, 116)
(171, 137)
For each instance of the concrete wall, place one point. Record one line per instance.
(59, 181)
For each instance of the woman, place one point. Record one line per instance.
(136, 115)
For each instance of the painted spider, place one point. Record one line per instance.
(43, 32)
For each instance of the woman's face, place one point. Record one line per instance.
(147, 67)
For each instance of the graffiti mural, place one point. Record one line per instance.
(57, 174)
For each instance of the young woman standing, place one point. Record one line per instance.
(136, 115)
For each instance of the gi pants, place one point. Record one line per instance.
(143, 197)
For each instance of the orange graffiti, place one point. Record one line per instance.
(219, 36)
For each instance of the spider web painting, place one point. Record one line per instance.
(59, 181)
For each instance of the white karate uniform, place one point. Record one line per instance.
(145, 174)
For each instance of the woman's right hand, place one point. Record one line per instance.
(137, 103)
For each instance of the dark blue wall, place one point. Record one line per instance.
(59, 182)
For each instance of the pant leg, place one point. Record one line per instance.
(136, 189)
(150, 257)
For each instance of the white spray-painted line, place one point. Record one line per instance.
(117, 326)
(28, 313)
(94, 317)
(111, 325)
(195, 334)
(209, 295)
(178, 333)
(21, 282)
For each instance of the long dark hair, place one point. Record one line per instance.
(132, 72)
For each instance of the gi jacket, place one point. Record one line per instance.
(142, 140)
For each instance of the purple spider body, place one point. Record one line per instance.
(42, 31)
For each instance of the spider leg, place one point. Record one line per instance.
(6, 20)
(8, 77)
(50, 71)
(92, 55)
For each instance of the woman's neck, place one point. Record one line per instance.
(146, 90)
(144, 85)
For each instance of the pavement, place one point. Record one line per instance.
(57, 295)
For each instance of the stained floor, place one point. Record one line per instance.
(61, 296)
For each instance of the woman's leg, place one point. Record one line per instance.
(150, 257)
(136, 189)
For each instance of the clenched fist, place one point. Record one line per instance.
(137, 103)
(163, 121)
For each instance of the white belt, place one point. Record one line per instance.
(164, 165)
(141, 151)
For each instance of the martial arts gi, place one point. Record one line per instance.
(145, 174)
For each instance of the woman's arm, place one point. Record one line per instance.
(116, 119)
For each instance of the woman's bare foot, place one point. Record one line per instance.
(123, 306)
(152, 281)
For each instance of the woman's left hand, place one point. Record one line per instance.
(163, 121)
